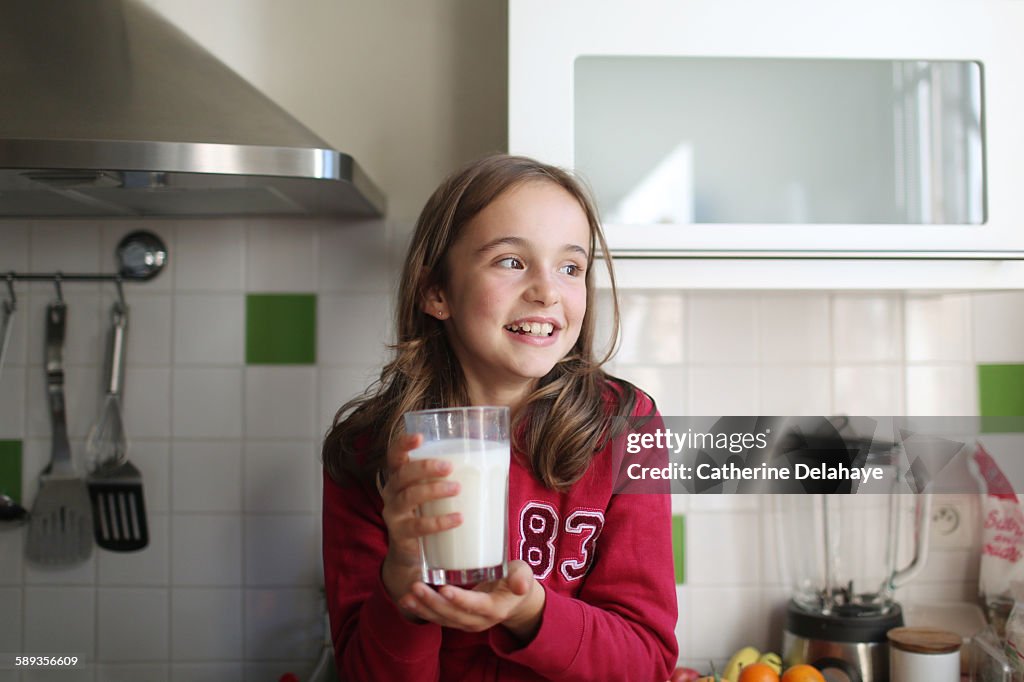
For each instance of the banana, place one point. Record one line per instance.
(741, 658)
(772, 660)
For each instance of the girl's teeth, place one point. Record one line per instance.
(533, 328)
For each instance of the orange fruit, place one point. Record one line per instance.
(758, 672)
(802, 673)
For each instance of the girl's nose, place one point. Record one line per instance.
(542, 289)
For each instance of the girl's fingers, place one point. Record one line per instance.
(399, 452)
(416, 470)
(418, 526)
(434, 603)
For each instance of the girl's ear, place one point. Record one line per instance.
(434, 302)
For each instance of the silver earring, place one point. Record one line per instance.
(440, 314)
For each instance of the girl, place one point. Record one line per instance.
(496, 308)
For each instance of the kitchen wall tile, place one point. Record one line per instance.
(280, 329)
(282, 256)
(732, 502)
(12, 549)
(717, 391)
(283, 624)
(133, 624)
(149, 566)
(150, 318)
(83, 573)
(84, 337)
(1001, 389)
(56, 248)
(795, 390)
(338, 385)
(683, 629)
(937, 593)
(59, 620)
(208, 329)
(354, 256)
(774, 603)
(949, 566)
(867, 390)
(207, 403)
(712, 561)
(114, 231)
(11, 469)
(281, 550)
(10, 631)
(280, 402)
(679, 547)
(206, 550)
(730, 618)
(353, 329)
(82, 399)
(652, 324)
(12, 402)
(774, 574)
(281, 477)
(667, 385)
(14, 241)
(209, 255)
(206, 624)
(133, 672)
(680, 503)
(206, 476)
(146, 404)
(998, 327)
(938, 328)
(867, 328)
(206, 672)
(152, 458)
(81, 673)
(794, 328)
(942, 390)
(722, 329)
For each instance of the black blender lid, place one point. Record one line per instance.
(849, 627)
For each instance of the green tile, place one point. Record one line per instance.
(10, 469)
(1000, 395)
(679, 547)
(280, 329)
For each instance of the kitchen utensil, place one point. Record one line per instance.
(141, 255)
(60, 526)
(6, 315)
(115, 485)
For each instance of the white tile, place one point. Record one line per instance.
(207, 403)
(83, 573)
(209, 329)
(206, 476)
(60, 619)
(114, 231)
(14, 241)
(723, 328)
(206, 550)
(339, 385)
(730, 618)
(942, 391)
(794, 328)
(12, 549)
(84, 337)
(281, 550)
(667, 385)
(719, 391)
(938, 328)
(67, 246)
(206, 624)
(949, 565)
(12, 401)
(868, 391)
(82, 399)
(146, 404)
(280, 402)
(283, 624)
(354, 256)
(867, 328)
(735, 539)
(281, 477)
(731, 502)
(133, 672)
(998, 327)
(80, 673)
(651, 324)
(152, 459)
(942, 592)
(148, 566)
(10, 628)
(133, 624)
(353, 329)
(206, 672)
(281, 256)
(209, 255)
(149, 329)
(683, 627)
(795, 390)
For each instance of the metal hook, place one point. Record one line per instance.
(13, 303)
(56, 285)
(120, 292)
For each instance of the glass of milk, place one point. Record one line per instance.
(476, 441)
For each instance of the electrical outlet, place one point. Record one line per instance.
(953, 522)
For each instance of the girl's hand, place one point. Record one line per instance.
(515, 601)
(411, 483)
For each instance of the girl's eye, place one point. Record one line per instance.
(571, 269)
(511, 263)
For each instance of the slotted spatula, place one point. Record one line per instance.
(115, 485)
(60, 526)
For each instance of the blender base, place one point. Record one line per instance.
(844, 648)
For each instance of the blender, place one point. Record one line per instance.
(840, 553)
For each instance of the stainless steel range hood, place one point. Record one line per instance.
(107, 109)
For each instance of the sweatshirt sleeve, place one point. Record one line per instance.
(372, 640)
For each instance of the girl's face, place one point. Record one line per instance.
(516, 296)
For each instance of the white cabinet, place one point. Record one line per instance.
(885, 129)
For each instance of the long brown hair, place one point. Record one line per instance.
(425, 373)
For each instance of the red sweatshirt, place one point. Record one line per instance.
(610, 609)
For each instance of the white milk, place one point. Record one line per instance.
(481, 469)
